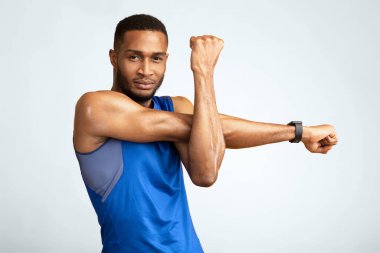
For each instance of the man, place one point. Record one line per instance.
(130, 143)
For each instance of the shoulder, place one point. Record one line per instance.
(92, 102)
(182, 104)
(92, 112)
(94, 96)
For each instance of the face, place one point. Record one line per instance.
(140, 64)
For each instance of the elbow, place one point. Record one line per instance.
(204, 174)
(204, 180)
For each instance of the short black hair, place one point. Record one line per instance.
(137, 22)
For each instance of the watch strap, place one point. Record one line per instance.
(299, 128)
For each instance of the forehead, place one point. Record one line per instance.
(146, 41)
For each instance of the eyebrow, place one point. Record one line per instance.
(141, 52)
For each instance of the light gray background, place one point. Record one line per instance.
(315, 61)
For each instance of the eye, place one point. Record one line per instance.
(134, 57)
(157, 59)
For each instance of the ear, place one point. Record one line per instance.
(113, 57)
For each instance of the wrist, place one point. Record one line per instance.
(203, 79)
(298, 131)
(207, 73)
(305, 134)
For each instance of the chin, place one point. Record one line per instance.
(141, 96)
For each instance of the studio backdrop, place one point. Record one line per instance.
(314, 61)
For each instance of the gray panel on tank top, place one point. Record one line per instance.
(102, 168)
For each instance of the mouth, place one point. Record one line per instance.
(144, 85)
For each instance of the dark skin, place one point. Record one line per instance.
(139, 65)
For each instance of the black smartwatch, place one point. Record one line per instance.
(298, 125)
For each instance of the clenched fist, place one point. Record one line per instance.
(319, 139)
(205, 53)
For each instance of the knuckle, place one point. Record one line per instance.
(200, 42)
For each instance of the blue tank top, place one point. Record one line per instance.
(139, 196)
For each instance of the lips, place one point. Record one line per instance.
(144, 84)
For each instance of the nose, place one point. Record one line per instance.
(145, 68)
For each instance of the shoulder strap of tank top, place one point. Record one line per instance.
(166, 103)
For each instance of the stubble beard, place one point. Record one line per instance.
(125, 87)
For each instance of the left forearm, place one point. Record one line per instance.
(206, 143)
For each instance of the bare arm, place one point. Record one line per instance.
(241, 133)
(112, 114)
(104, 114)
(206, 145)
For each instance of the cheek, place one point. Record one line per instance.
(161, 69)
(128, 69)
